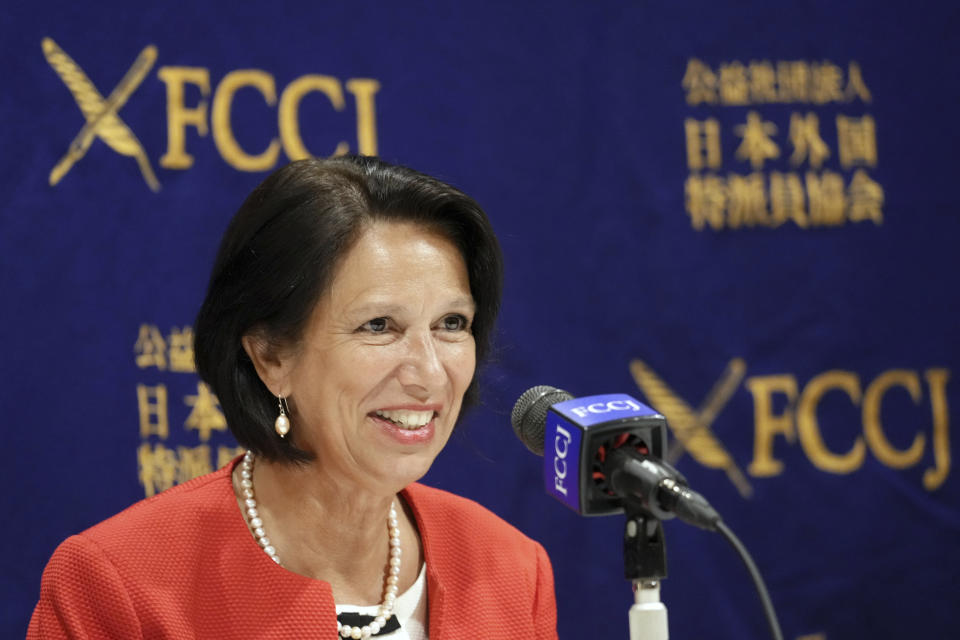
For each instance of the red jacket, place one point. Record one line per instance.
(182, 564)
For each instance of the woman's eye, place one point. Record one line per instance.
(377, 325)
(455, 323)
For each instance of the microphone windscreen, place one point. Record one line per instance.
(529, 415)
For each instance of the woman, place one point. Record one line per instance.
(349, 303)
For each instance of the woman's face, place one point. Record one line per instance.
(376, 384)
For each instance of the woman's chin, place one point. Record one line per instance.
(401, 469)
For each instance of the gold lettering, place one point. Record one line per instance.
(747, 201)
(205, 415)
(786, 199)
(855, 84)
(808, 426)
(767, 424)
(700, 83)
(826, 79)
(806, 140)
(194, 462)
(937, 381)
(705, 199)
(363, 90)
(703, 143)
(827, 200)
(150, 348)
(857, 141)
(734, 87)
(179, 116)
(865, 198)
(181, 350)
(763, 82)
(152, 407)
(793, 78)
(757, 146)
(289, 112)
(873, 428)
(157, 468)
(223, 137)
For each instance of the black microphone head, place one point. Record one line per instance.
(529, 416)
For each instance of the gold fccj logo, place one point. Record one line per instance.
(784, 409)
(102, 115)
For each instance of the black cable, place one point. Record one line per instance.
(757, 579)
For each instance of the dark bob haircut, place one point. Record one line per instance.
(278, 256)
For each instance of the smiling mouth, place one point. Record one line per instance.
(406, 419)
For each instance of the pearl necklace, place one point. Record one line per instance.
(385, 610)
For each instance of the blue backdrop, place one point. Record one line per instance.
(743, 215)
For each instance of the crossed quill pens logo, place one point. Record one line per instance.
(102, 118)
(692, 427)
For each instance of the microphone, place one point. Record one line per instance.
(600, 451)
(604, 455)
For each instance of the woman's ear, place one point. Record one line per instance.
(272, 363)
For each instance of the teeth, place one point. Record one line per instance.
(407, 419)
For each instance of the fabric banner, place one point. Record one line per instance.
(742, 216)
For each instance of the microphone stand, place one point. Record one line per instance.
(645, 565)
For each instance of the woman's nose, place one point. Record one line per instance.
(422, 367)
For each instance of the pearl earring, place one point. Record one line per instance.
(282, 424)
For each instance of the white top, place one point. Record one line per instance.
(410, 610)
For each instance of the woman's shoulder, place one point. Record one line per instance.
(164, 539)
(156, 527)
(178, 564)
(178, 507)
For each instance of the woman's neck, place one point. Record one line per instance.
(326, 530)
